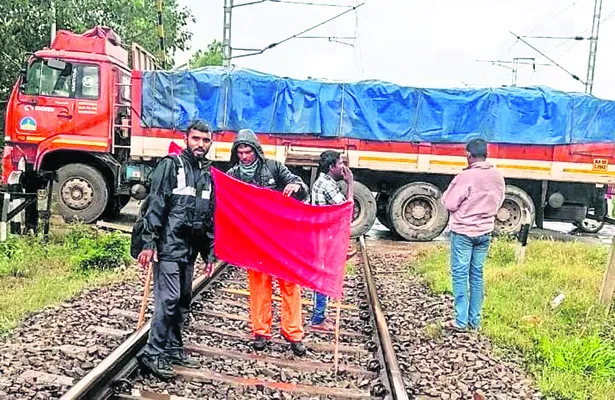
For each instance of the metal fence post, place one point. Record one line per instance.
(6, 202)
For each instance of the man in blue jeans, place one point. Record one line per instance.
(326, 192)
(473, 199)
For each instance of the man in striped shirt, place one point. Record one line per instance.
(327, 192)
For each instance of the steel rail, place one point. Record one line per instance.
(117, 366)
(391, 367)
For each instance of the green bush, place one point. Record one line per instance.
(99, 251)
(19, 256)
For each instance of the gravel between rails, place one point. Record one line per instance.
(221, 302)
(439, 364)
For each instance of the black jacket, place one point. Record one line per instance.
(270, 174)
(178, 221)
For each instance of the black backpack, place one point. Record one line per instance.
(136, 237)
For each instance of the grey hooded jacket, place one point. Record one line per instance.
(270, 174)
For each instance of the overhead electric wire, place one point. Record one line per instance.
(551, 18)
(275, 44)
(309, 3)
(575, 77)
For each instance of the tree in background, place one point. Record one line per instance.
(213, 56)
(25, 28)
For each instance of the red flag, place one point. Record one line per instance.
(261, 229)
(175, 149)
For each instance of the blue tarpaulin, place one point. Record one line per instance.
(232, 99)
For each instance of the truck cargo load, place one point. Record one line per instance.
(232, 99)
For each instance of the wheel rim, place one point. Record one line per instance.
(420, 212)
(77, 194)
(591, 225)
(357, 210)
(508, 217)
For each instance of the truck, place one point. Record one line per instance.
(79, 115)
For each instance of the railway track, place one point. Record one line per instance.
(218, 333)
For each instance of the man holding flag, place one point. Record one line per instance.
(248, 164)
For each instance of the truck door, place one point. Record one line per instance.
(44, 107)
(61, 97)
(91, 112)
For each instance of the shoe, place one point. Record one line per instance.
(452, 326)
(298, 348)
(180, 358)
(157, 365)
(325, 326)
(259, 343)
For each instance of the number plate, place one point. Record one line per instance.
(601, 164)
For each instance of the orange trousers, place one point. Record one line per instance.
(260, 306)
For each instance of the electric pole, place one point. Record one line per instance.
(226, 34)
(593, 47)
(160, 31)
(52, 7)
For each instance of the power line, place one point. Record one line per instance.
(532, 30)
(275, 44)
(516, 62)
(553, 17)
(558, 37)
(308, 3)
(609, 16)
(575, 77)
(513, 62)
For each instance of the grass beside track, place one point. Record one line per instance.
(35, 275)
(569, 349)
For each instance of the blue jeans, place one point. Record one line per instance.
(468, 256)
(320, 307)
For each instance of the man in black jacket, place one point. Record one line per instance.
(178, 224)
(248, 164)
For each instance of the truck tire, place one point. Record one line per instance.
(382, 206)
(364, 214)
(82, 193)
(416, 212)
(589, 225)
(510, 217)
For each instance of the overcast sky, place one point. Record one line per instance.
(419, 43)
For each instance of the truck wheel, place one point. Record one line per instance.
(82, 193)
(417, 213)
(364, 213)
(382, 206)
(511, 216)
(589, 225)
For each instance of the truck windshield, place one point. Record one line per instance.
(46, 81)
(81, 81)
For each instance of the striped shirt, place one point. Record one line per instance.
(326, 191)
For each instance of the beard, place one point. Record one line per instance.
(199, 153)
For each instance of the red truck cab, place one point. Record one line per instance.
(63, 114)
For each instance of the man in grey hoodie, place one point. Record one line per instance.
(248, 164)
